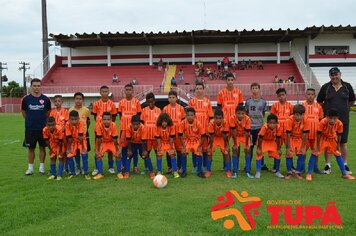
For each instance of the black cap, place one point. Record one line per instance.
(334, 70)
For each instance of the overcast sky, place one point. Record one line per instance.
(20, 21)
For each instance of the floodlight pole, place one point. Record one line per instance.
(24, 67)
(45, 53)
(2, 67)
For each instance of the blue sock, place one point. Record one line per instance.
(169, 161)
(179, 160)
(277, 164)
(205, 159)
(174, 164)
(184, 163)
(99, 165)
(199, 160)
(53, 169)
(148, 164)
(96, 167)
(316, 167)
(60, 169)
(227, 165)
(341, 164)
(77, 161)
(118, 165)
(311, 163)
(235, 164)
(300, 162)
(289, 163)
(208, 164)
(159, 164)
(128, 165)
(262, 161)
(194, 160)
(248, 164)
(71, 165)
(124, 156)
(135, 158)
(66, 166)
(258, 165)
(85, 163)
(111, 164)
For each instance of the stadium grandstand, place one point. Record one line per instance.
(150, 60)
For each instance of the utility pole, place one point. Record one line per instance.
(45, 53)
(24, 67)
(2, 67)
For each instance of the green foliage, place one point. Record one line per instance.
(13, 89)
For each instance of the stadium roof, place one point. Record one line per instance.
(197, 36)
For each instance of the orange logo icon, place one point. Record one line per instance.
(244, 218)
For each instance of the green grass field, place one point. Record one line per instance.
(33, 205)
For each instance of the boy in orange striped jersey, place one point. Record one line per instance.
(165, 134)
(240, 125)
(149, 117)
(218, 130)
(297, 130)
(313, 113)
(106, 142)
(192, 141)
(104, 104)
(176, 112)
(204, 113)
(53, 135)
(127, 107)
(328, 139)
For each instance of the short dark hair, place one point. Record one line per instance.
(57, 96)
(189, 109)
(150, 95)
(298, 109)
(79, 94)
(104, 87)
(51, 119)
(255, 85)
(240, 108)
(272, 117)
(310, 89)
(281, 90)
(164, 117)
(136, 118)
(106, 113)
(332, 112)
(199, 83)
(218, 112)
(229, 75)
(35, 80)
(73, 114)
(128, 86)
(172, 92)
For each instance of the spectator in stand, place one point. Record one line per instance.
(260, 65)
(276, 79)
(291, 79)
(243, 65)
(181, 75)
(226, 62)
(115, 79)
(160, 65)
(226, 67)
(218, 64)
(233, 65)
(209, 73)
(200, 64)
(173, 81)
(197, 71)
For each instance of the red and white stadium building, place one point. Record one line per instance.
(88, 61)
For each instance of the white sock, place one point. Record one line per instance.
(328, 164)
(30, 167)
(345, 163)
(41, 166)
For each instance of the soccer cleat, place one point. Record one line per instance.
(194, 170)
(348, 176)
(136, 170)
(66, 172)
(201, 175)
(98, 176)
(169, 171)
(207, 174)
(126, 175)
(264, 167)
(158, 173)
(70, 176)
(95, 172)
(176, 175)
(87, 177)
(51, 177)
(319, 172)
(111, 170)
(298, 176)
(250, 176)
(145, 172)
(288, 176)
(29, 172)
(228, 174)
(78, 171)
(258, 175)
(42, 172)
(327, 170)
(152, 175)
(120, 175)
(348, 170)
(308, 177)
(293, 169)
(234, 175)
(59, 178)
(184, 174)
(279, 175)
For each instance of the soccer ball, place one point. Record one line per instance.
(160, 181)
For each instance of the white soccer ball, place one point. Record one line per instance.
(160, 181)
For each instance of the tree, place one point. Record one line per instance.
(12, 89)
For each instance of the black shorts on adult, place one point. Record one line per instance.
(32, 137)
(345, 134)
(254, 135)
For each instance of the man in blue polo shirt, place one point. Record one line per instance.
(35, 109)
(338, 95)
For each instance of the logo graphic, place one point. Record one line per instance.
(42, 101)
(225, 208)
